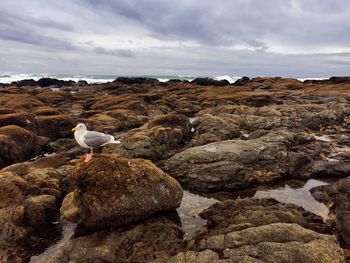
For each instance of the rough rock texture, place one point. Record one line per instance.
(208, 128)
(158, 139)
(113, 191)
(28, 195)
(210, 82)
(155, 239)
(278, 242)
(338, 194)
(233, 164)
(116, 120)
(261, 230)
(261, 212)
(18, 144)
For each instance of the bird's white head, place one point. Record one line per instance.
(81, 127)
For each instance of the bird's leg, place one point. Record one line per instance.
(88, 156)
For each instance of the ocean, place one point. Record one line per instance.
(8, 78)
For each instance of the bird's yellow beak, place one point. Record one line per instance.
(74, 129)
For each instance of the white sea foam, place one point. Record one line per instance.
(228, 78)
(8, 78)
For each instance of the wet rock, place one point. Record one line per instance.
(257, 212)
(337, 194)
(210, 82)
(331, 80)
(113, 191)
(136, 80)
(46, 82)
(261, 230)
(24, 82)
(153, 240)
(233, 164)
(242, 81)
(330, 169)
(157, 139)
(278, 242)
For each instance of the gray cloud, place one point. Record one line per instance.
(239, 37)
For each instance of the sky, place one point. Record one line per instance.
(296, 38)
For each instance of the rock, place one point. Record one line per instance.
(210, 82)
(18, 144)
(28, 196)
(82, 83)
(257, 212)
(261, 230)
(206, 256)
(18, 118)
(242, 81)
(55, 126)
(117, 120)
(12, 188)
(39, 209)
(46, 82)
(208, 128)
(159, 138)
(24, 82)
(330, 168)
(135, 80)
(338, 195)
(278, 242)
(232, 164)
(153, 240)
(113, 191)
(331, 80)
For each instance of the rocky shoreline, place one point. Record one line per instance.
(209, 137)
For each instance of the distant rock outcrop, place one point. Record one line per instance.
(136, 80)
(210, 82)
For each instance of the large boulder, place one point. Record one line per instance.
(113, 191)
(232, 164)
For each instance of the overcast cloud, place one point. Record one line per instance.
(300, 38)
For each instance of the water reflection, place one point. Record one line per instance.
(191, 206)
(298, 193)
(68, 229)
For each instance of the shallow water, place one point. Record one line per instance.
(297, 193)
(68, 229)
(191, 206)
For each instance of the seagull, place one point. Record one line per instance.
(91, 139)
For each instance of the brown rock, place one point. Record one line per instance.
(113, 190)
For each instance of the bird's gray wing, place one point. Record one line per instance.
(96, 139)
